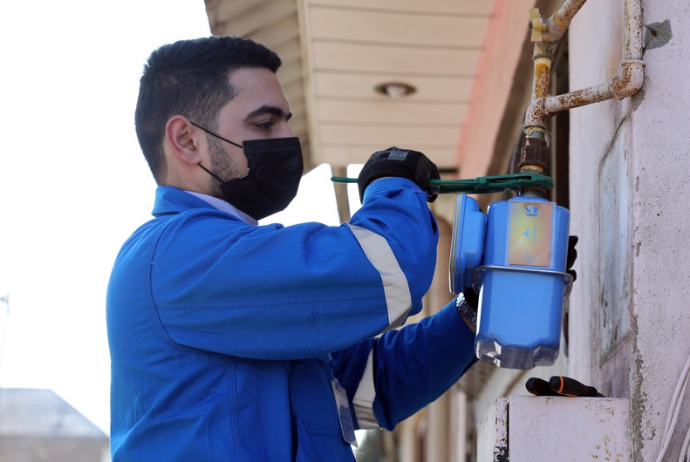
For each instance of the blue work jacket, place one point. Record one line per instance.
(226, 339)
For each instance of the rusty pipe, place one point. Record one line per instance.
(626, 84)
(542, 59)
(535, 150)
(558, 23)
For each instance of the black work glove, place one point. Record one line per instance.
(401, 163)
(571, 257)
(467, 307)
(471, 297)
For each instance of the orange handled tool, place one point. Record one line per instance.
(560, 386)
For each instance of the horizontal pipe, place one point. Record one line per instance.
(573, 99)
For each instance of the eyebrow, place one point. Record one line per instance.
(276, 111)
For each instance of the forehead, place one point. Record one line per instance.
(256, 88)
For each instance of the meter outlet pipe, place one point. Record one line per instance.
(627, 83)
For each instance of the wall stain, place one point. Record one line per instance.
(658, 34)
(638, 97)
(501, 454)
(639, 398)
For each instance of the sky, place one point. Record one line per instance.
(74, 184)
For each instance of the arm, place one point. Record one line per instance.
(285, 293)
(392, 377)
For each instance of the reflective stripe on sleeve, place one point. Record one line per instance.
(363, 400)
(381, 256)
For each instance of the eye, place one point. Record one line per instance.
(265, 125)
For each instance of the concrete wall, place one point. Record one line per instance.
(630, 310)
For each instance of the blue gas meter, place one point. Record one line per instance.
(515, 259)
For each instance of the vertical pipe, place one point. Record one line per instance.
(542, 70)
(534, 153)
(633, 30)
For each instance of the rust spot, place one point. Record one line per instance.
(541, 79)
(534, 153)
(574, 99)
(568, 11)
(619, 85)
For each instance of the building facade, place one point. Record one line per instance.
(619, 166)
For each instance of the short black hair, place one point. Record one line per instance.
(190, 77)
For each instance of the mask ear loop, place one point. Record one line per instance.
(220, 138)
(217, 136)
(210, 173)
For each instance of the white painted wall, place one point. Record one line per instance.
(630, 205)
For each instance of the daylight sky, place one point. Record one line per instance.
(73, 182)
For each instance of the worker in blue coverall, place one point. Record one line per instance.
(231, 341)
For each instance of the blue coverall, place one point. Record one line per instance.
(226, 338)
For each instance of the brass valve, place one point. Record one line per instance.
(537, 25)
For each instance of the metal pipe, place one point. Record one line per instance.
(633, 30)
(542, 70)
(558, 23)
(534, 152)
(573, 99)
(626, 84)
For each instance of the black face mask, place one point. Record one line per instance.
(275, 170)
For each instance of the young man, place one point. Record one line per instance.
(233, 341)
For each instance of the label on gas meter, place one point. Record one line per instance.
(529, 234)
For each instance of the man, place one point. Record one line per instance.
(233, 341)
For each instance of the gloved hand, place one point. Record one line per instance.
(472, 298)
(571, 257)
(466, 304)
(401, 163)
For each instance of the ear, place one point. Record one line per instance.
(183, 140)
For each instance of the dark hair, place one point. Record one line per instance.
(190, 77)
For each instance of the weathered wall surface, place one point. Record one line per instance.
(630, 310)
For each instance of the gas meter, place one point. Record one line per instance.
(514, 257)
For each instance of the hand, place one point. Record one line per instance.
(466, 304)
(571, 257)
(471, 298)
(401, 163)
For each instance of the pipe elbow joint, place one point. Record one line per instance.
(630, 81)
(554, 31)
(536, 113)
